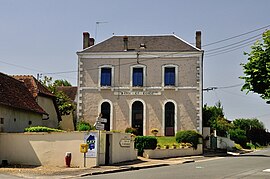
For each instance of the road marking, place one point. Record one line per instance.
(266, 170)
(215, 158)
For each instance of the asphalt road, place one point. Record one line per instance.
(254, 165)
(8, 177)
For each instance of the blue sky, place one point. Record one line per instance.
(43, 36)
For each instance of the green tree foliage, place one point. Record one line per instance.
(257, 69)
(64, 103)
(213, 116)
(254, 129)
(211, 113)
(239, 136)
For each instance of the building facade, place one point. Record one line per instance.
(143, 82)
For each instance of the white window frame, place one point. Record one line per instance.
(99, 75)
(175, 116)
(131, 75)
(163, 74)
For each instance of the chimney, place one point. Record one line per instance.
(87, 41)
(198, 39)
(125, 39)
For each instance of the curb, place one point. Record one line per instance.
(123, 169)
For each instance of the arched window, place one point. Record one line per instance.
(106, 111)
(169, 119)
(137, 116)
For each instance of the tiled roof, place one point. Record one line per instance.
(14, 93)
(162, 43)
(33, 85)
(70, 91)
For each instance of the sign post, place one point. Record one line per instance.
(99, 126)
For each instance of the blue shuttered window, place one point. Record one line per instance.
(106, 77)
(169, 76)
(137, 78)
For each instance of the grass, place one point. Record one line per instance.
(162, 141)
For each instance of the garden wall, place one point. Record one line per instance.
(166, 153)
(49, 149)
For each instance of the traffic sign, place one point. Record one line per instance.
(104, 120)
(99, 126)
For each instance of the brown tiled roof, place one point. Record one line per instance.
(33, 85)
(70, 91)
(162, 43)
(14, 93)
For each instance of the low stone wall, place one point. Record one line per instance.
(166, 153)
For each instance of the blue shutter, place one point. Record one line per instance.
(169, 76)
(106, 77)
(137, 78)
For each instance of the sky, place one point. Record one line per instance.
(42, 37)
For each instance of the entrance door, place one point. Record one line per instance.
(169, 119)
(106, 111)
(137, 116)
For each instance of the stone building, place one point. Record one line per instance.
(143, 82)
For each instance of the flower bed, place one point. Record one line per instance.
(166, 153)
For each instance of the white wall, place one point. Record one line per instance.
(15, 120)
(49, 149)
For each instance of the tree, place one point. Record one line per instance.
(257, 69)
(254, 129)
(213, 116)
(211, 113)
(64, 103)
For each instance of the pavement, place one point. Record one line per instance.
(44, 172)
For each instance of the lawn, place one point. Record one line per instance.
(166, 141)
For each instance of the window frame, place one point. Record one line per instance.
(144, 75)
(112, 76)
(175, 78)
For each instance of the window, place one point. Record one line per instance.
(1, 120)
(106, 77)
(169, 76)
(137, 78)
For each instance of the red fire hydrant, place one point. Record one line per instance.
(68, 159)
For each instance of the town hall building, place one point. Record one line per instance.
(143, 82)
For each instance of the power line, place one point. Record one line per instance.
(235, 36)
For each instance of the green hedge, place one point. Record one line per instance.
(41, 129)
(188, 136)
(145, 142)
(131, 130)
(84, 126)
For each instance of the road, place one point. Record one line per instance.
(255, 165)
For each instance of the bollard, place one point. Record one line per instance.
(68, 159)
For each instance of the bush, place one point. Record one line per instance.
(188, 136)
(131, 130)
(84, 126)
(41, 129)
(238, 136)
(145, 142)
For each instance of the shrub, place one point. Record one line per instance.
(238, 136)
(84, 126)
(41, 129)
(188, 136)
(131, 130)
(145, 142)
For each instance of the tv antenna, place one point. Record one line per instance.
(97, 24)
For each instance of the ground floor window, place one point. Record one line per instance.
(106, 111)
(169, 119)
(137, 116)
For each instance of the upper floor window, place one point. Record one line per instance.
(170, 74)
(138, 75)
(106, 75)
